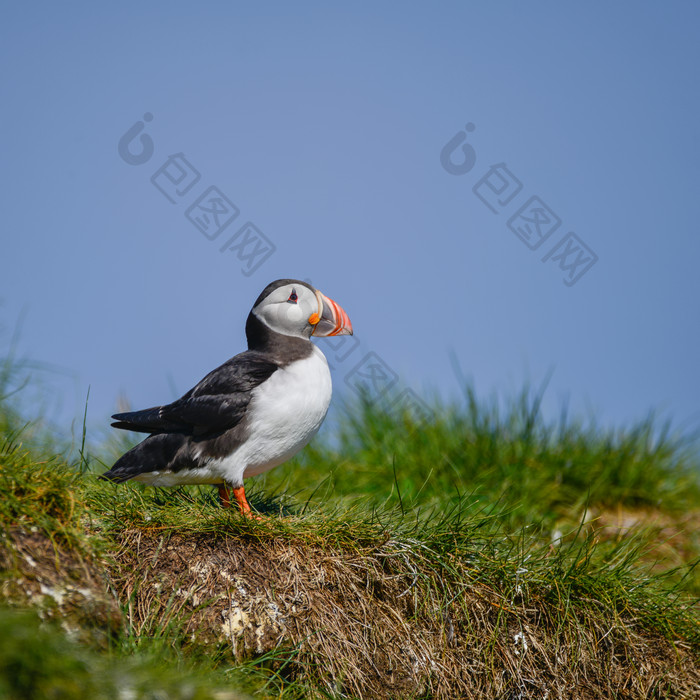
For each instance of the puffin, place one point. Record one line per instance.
(251, 414)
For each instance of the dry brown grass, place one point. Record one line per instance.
(371, 624)
(60, 583)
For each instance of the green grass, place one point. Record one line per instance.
(506, 460)
(40, 661)
(484, 504)
(582, 583)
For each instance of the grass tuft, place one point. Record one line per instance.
(483, 553)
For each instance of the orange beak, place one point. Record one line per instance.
(332, 319)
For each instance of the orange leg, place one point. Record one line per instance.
(224, 496)
(239, 495)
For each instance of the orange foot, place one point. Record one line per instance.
(239, 495)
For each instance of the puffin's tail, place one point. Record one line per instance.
(155, 453)
(149, 420)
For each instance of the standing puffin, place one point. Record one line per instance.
(252, 413)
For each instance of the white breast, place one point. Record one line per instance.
(285, 412)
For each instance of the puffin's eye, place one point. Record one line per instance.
(293, 297)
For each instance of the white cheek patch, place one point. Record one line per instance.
(284, 315)
(285, 318)
(294, 313)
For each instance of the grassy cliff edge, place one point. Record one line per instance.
(480, 554)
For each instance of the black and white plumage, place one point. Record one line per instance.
(252, 413)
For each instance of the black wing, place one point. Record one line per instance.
(217, 403)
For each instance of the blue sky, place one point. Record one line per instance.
(320, 128)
